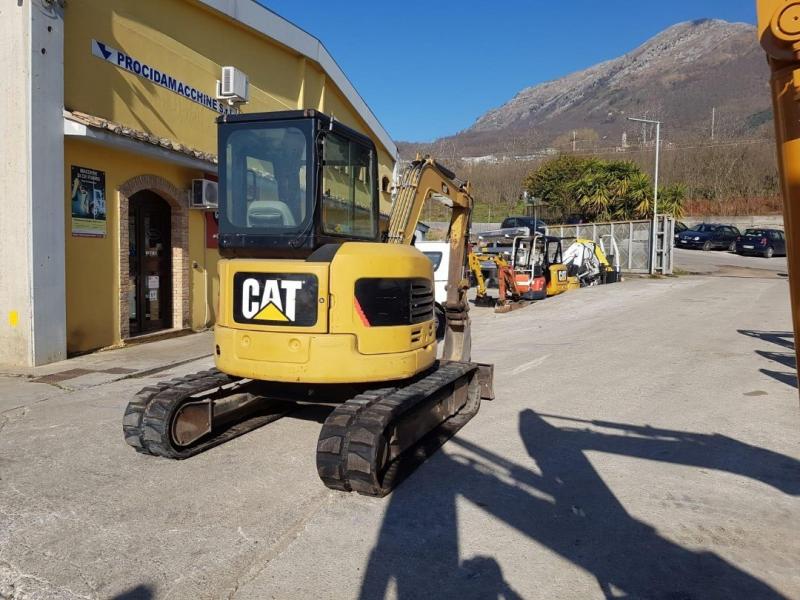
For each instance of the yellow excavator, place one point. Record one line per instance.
(779, 34)
(319, 305)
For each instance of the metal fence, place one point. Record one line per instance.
(632, 237)
(633, 240)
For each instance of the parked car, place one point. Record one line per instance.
(709, 236)
(439, 255)
(764, 242)
(532, 224)
(499, 241)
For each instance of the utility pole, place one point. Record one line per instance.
(713, 121)
(574, 133)
(654, 243)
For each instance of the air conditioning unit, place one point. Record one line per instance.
(233, 86)
(204, 194)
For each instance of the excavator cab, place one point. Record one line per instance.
(292, 182)
(555, 271)
(527, 262)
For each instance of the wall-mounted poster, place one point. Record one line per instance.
(88, 202)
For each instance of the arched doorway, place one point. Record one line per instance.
(179, 241)
(149, 263)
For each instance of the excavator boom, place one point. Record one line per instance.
(426, 180)
(779, 34)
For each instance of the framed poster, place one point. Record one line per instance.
(88, 202)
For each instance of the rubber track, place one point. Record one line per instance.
(147, 420)
(352, 438)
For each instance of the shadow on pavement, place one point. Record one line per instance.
(140, 592)
(784, 339)
(789, 379)
(565, 506)
(780, 338)
(787, 359)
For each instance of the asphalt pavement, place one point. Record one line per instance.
(643, 444)
(722, 262)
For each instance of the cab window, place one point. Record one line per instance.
(266, 177)
(554, 252)
(348, 191)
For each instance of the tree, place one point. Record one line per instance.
(600, 190)
(671, 200)
(551, 181)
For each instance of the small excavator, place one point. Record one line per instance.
(590, 263)
(319, 305)
(509, 296)
(533, 271)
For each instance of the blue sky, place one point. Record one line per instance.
(429, 69)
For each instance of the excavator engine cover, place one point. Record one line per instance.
(356, 313)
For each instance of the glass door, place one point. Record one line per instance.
(150, 263)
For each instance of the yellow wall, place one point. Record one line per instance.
(189, 42)
(204, 277)
(92, 264)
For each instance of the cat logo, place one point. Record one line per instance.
(275, 298)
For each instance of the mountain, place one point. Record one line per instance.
(678, 76)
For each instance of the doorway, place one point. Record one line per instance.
(149, 263)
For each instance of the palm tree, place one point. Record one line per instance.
(670, 200)
(640, 196)
(593, 194)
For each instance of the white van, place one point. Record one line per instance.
(439, 253)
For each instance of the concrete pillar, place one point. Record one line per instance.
(32, 202)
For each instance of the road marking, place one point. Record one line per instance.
(529, 365)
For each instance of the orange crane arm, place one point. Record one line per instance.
(779, 34)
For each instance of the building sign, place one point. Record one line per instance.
(88, 202)
(128, 63)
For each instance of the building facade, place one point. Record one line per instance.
(108, 118)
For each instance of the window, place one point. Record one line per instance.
(435, 258)
(266, 179)
(348, 194)
(554, 252)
